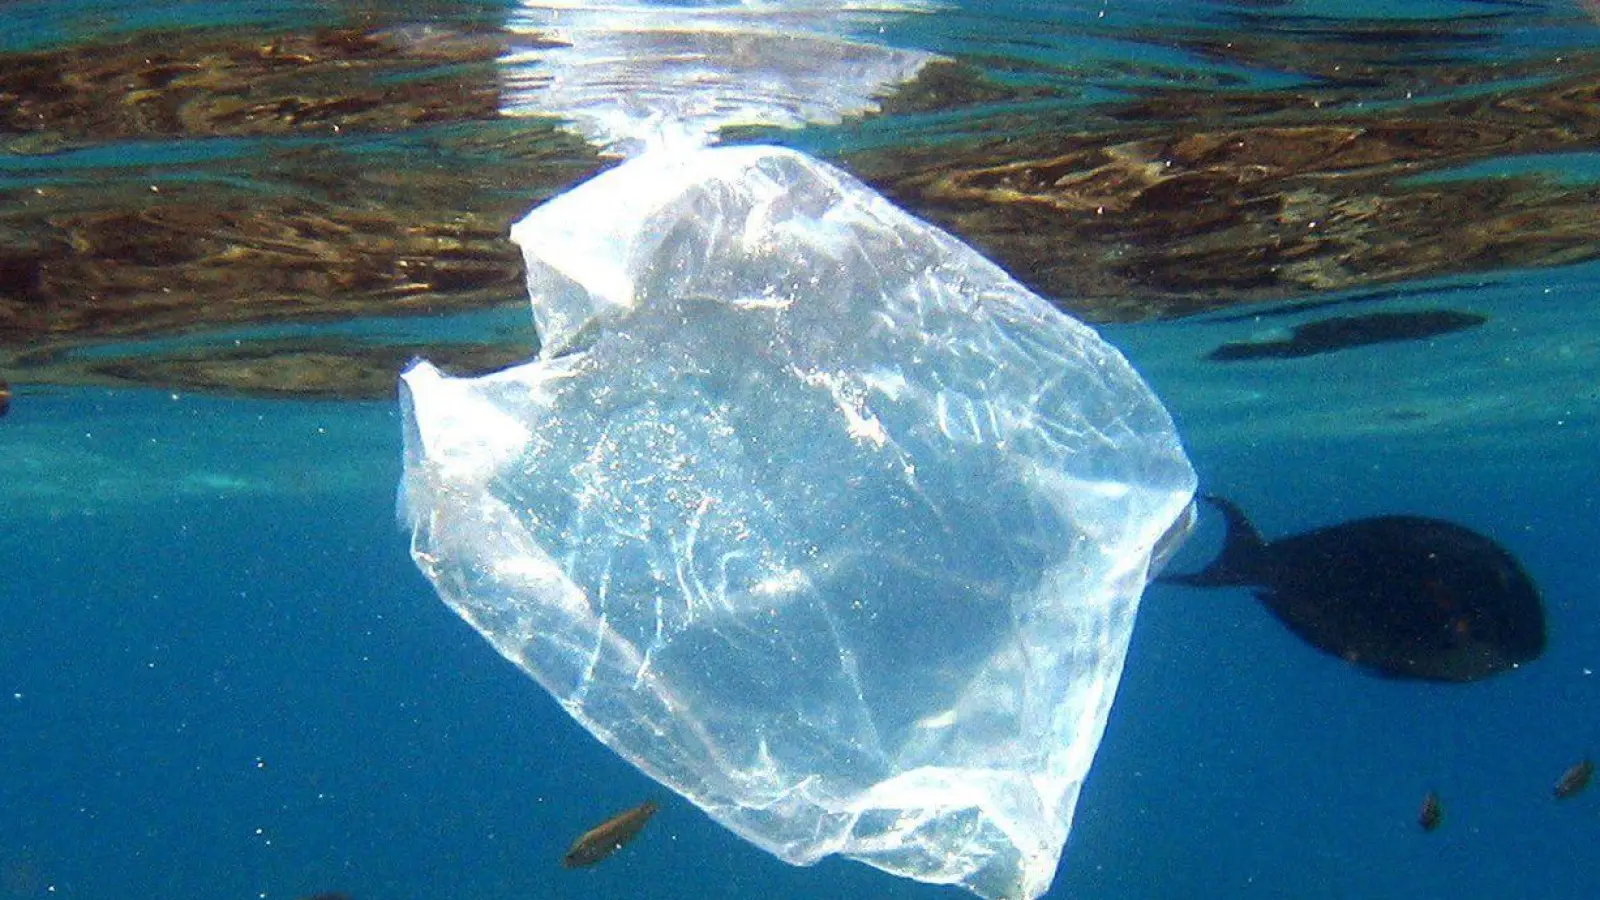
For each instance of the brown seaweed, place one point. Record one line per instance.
(371, 174)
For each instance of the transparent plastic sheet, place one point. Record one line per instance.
(807, 510)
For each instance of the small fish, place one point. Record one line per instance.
(1402, 596)
(1431, 813)
(608, 837)
(5, 397)
(1574, 780)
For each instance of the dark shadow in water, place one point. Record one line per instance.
(1345, 332)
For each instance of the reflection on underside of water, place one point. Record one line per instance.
(165, 180)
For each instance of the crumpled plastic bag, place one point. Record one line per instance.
(807, 510)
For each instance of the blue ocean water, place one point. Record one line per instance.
(221, 676)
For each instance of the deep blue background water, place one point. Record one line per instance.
(241, 690)
(222, 677)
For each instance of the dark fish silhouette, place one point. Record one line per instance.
(1431, 813)
(1403, 596)
(1328, 335)
(608, 837)
(1574, 780)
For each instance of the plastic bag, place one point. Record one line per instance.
(807, 510)
(652, 74)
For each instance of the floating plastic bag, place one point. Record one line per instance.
(807, 510)
(630, 75)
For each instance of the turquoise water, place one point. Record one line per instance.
(222, 677)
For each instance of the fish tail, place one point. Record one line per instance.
(1241, 551)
